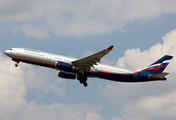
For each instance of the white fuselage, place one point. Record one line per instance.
(39, 57)
(70, 68)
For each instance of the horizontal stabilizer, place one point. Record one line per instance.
(158, 76)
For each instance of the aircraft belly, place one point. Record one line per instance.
(120, 77)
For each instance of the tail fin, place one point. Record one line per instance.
(158, 66)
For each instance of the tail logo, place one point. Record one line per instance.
(159, 65)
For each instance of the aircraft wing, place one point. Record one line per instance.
(87, 62)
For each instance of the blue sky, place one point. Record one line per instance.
(141, 32)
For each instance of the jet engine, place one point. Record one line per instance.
(66, 75)
(63, 66)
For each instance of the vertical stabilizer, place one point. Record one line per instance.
(159, 65)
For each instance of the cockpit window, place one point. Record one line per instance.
(10, 49)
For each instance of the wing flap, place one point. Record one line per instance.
(88, 62)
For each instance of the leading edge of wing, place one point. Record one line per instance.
(91, 60)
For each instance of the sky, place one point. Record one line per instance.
(141, 32)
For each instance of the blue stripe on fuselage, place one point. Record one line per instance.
(119, 77)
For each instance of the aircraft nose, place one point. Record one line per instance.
(6, 52)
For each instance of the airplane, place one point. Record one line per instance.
(90, 66)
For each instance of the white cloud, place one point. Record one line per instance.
(12, 89)
(78, 18)
(63, 111)
(151, 100)
(94, 116)
(26, 77)
(153, 107)
(135, 59)
(43, 79)
(16, 82)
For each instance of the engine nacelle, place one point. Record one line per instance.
(142, 75)
(66, 75)
(63, 66)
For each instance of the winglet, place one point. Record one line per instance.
(110, 48)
